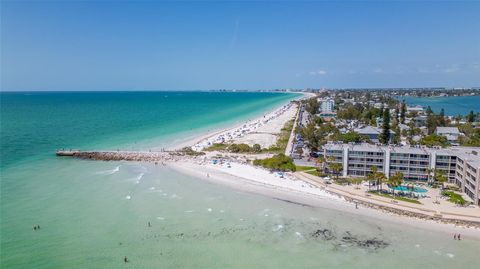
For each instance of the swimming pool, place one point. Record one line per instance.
(406, 188)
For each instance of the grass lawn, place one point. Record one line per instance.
(305, 168)
(454, 197)
(314, 173)
(312, 170)
(413, 201)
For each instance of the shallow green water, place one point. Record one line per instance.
(92, 214)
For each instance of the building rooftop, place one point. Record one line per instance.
(470, 154)
(447, 130)
(368, 130)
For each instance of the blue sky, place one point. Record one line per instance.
(109, 45)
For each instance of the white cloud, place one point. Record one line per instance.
(318, 73)
(453, 68)
(378, 70)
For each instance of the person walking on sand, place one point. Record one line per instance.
(458, 237)
(455, 237)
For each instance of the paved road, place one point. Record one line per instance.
(288, 149)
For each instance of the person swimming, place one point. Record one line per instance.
(125, 259)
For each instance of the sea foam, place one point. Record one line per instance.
(109, 172)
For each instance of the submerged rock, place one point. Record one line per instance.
(373, 243)
(324, 234)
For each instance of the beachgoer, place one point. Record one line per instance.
(459, 237)
(455, 237)
(35, 227)
(149, 225)
(125, 259)
(356, 205)
(38, 227)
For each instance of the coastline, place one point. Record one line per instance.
(291, 188)
(305, 196)
(311, 196)
(195, 139)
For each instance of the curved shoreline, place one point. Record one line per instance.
(287, 190)
(328, 200)
(193, 140)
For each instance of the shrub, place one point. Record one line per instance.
(191, 152)
(279, 162)
(216, 147)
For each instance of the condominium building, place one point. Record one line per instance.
(461, 165)
(327, 105)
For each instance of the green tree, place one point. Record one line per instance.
(312, 106)
(429, 110)
(279, 162)
(403, 110)
(441, 118)
(384, 137)
(431, 122)
(396, 137)
(353, 137)
(471, 117)
(397, 115)
(395, 181)
(336, 167)
(309, 134)
(434, 140)
(376, 177)
(356, 181)
(440, 177)
(371, 176)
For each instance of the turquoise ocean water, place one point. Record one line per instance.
(92, 214)
(453, 105)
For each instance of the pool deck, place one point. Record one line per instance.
(434, 206)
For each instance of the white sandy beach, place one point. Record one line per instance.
(240, 175)
(260, 181)
(261, 131)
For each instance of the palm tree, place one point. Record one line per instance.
(440, 177)
(336, 167)
(395, 181)
(357, 182)
(430, 175)
(321, 163)
(371, 176)
(380, 177)
(377, 177)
